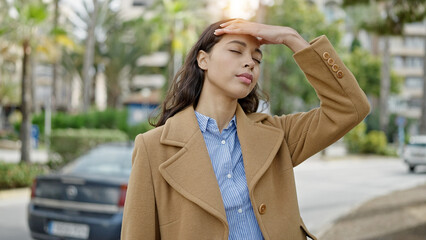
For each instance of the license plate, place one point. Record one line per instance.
(65, 229)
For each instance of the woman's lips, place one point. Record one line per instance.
(245, 78)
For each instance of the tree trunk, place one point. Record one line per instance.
(422, 128)
(88, 58)
(55, 64)
(35, 108)
(385, 86)
(25, 105)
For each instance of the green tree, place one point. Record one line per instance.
(389, 19)
(282, 79)
(366, 67)
(176, 24)
(21, 28)
(125, 42)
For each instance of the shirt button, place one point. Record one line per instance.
(229, 175)
(223, 142)
(240, 210)
(262, 209)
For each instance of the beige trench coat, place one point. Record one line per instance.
(173, 192)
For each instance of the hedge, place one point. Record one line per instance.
(107, 119)
(71, 143)
(373, 142)
(14, 175)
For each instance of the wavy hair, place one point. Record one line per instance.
(187, 84)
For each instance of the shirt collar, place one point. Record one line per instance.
(203, 122)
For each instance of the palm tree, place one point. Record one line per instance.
(176, 23)
(21, 28)
(124, 44)
(93, 15)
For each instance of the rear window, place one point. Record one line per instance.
(104, 161)
(417, 144)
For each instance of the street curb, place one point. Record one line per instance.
(356, 208)
(14, 193)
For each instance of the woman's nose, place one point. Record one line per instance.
(249, 63)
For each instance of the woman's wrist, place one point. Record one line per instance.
(295, 42)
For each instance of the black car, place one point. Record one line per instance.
(85, 199)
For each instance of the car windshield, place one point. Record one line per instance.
(418, 144)
(104, 161)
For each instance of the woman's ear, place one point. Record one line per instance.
(202, 59)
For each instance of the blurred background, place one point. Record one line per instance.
(78, 73)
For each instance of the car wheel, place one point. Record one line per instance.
(411, 168)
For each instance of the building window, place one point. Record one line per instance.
(413, 62)
(414, 42)
(415, 103)
(414, 82)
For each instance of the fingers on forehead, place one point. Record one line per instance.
(237, 20)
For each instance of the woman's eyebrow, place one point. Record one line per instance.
(245, 45)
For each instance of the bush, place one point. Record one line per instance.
(375, 142)
(18, 175)
(355, 139)
(71, 143)
(135, 130)
(108, 119)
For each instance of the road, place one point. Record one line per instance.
(326, 190)
(13, 224)
(329, 189)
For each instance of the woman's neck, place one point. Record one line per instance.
(220, 108)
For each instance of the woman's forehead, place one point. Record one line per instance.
(247, 40)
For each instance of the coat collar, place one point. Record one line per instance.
(190, 171)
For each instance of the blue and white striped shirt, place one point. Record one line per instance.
(227, 160)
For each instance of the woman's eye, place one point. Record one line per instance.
(235, 51)
(257, 60)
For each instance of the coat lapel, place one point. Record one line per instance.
(259, 145)
(190, 171)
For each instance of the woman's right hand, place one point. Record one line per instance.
(267, 34)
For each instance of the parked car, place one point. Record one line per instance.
(415, 152)
(85, 199)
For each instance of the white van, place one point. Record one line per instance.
(415, 152)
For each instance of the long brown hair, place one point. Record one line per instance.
(188, 82)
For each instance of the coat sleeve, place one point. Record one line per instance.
(140, 220)
(343, 104)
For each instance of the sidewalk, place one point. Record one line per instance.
(400, 215)
(14, 155)
(11, 194)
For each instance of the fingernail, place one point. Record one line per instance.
(222, 24)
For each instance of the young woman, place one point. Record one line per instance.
(214, 168)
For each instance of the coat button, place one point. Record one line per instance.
(330, 61)
(339, 74)
(326, 55)
(262, 208)
(335, 68)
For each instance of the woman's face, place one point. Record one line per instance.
(232, 66)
